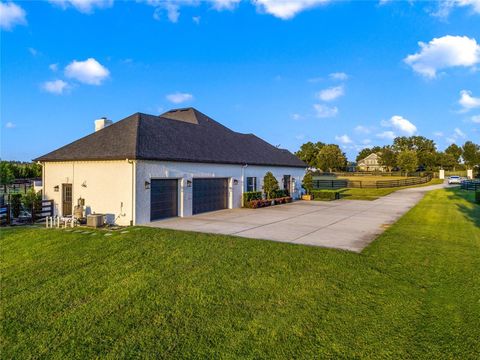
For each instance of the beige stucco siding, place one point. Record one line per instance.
(106, 187)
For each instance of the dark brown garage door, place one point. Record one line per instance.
(163, 198)
(209, 195)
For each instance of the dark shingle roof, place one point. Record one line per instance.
(178, 135)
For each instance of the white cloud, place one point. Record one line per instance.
(10, 15)
(338, 76)
(89, 71)
(224, 4)
(344, 139)
(445, 7)
(9, 125)
(297, 116)
(438, 133)
(403, 125)
(324, 111)
(53, 67)
(33, 51)
(331, 94)
(366, 141)
(178, 97)
(441, 53)
(55, 86)
(300, 136)
(196, 19)
(475, 119)
(387, 135)
(362, 129)
(286, 9)
(84, 6)
(459, 133)
(314, 80)
(467, 101)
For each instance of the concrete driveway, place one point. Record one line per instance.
(345, 224)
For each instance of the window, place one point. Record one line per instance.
(251, 184)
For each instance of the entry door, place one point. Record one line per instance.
(209, 195)
(67, 199)
(286, 183)
(163, 198)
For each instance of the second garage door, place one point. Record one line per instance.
(163, 198)
(209, 195)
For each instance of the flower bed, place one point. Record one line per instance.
(254, 204)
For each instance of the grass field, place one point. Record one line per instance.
(373, 194)
(372, 178)
(152, 293)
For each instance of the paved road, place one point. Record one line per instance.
(346, 224)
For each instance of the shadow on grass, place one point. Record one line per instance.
(472, 213)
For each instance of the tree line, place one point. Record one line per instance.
(11, 170)
(406, 153)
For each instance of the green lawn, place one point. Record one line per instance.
(151, 293)
(373, 194)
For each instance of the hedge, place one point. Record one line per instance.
(251, 195)
(279, 194)
(477, 196)
(325, 195)
(255, 204)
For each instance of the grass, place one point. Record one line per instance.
(372, 178)
(152, 293)
(373, 194)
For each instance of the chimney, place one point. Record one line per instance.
(102, 123)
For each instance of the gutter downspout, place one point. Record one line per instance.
(134, 180)
(243, 181)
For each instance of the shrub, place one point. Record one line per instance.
(32, 200)
(307, 182)
(251, 195)
(477, 196)
(254, 204)
(16, 204)
(279, 194)
(283, 200)
(270, 184)
(325, 195)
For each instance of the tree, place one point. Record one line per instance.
(6, 174)
(307, 182)
(446, 161)
(388, 158)
(423, 147)
(309, 151)
(455, 152)
(471, 154)
(270, 185)
(331, 158)
(407, 160)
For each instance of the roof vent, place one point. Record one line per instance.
(188, 115)
(102, 123)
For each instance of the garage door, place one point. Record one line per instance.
(163, 198)
(210, 195)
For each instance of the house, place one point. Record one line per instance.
(370, 163)
(147, 167)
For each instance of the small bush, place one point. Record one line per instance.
(477, 196)
(279, 194)
(307, 182)
(251, 195)
(325, 195)
(16, 204)
(255, 204)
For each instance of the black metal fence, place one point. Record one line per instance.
(470, 185)
(360, 184)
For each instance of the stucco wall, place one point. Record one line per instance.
(184, 172)
(106, 187)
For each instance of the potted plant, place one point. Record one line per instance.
(307, 184)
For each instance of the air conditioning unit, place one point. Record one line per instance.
(95, 220)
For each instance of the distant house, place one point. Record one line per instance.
(370, 163)
(147, 167)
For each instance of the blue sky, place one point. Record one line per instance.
(346, 72)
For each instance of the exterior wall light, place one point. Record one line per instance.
(189, 183)
(235, 182)
(56, 188)
(147, 185)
